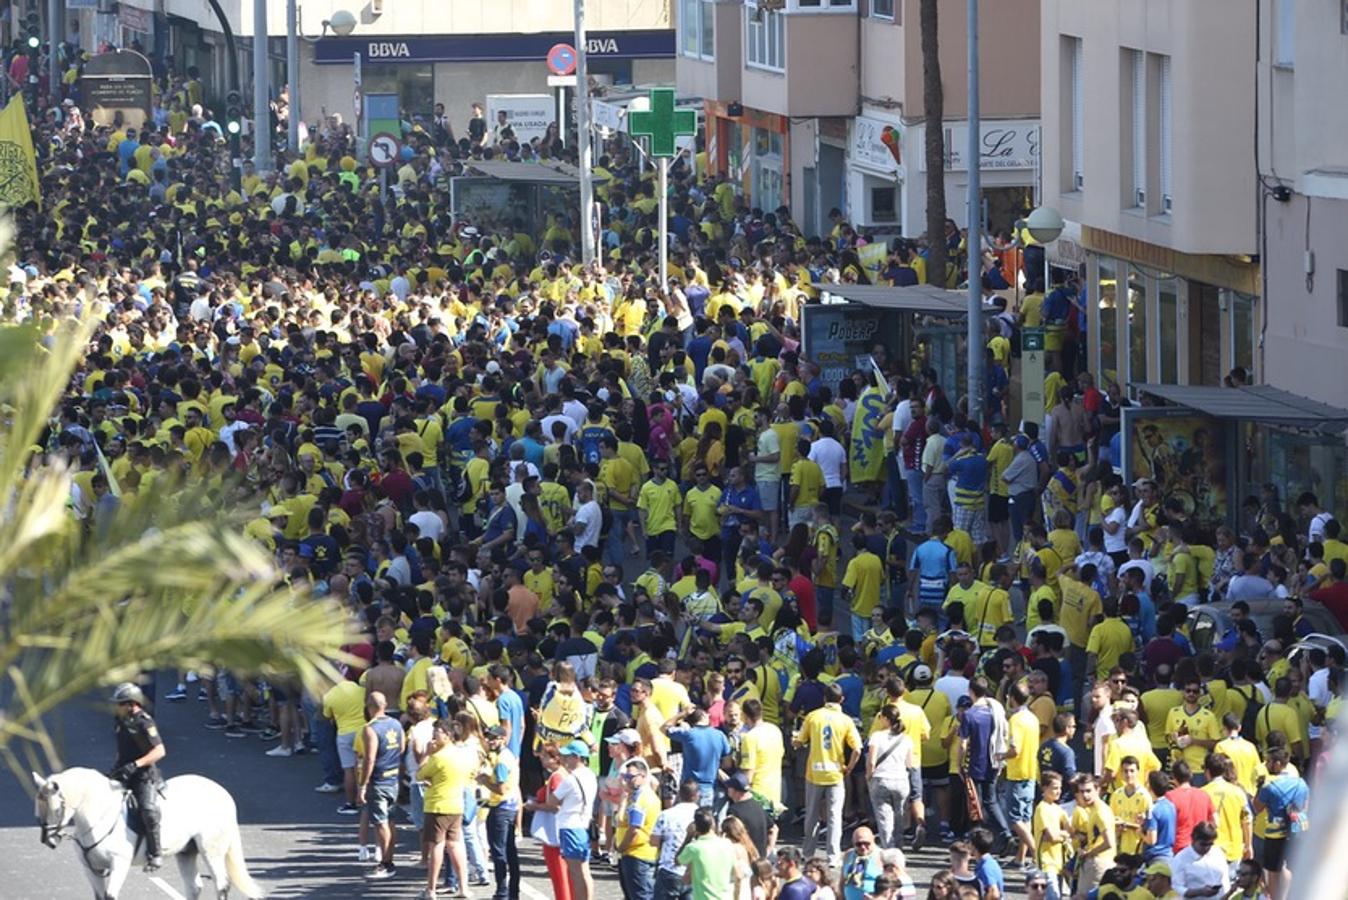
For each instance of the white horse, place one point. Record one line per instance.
(199, 821)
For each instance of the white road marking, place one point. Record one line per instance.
(169, 890)
(532, 892)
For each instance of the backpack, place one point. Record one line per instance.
(1254, 701)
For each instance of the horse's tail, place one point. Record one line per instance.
(237, 869)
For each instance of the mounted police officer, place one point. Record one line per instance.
(139, 750)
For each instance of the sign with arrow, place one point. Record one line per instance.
(384, 150)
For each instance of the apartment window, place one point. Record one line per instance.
(1137, 67)
(1284, 33)
(884, 209)
(884, 9)
(765, 39)
(1343, 298)
(1074, 135)
(827, 5)
(1165, 137)
(697, 28)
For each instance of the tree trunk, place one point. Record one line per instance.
(933, 102)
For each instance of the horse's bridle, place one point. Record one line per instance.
(54, 833)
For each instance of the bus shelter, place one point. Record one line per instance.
(921, 327)
(1211, 447)
(528, 197)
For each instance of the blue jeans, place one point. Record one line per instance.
(859, 626)
(505, 857)
(917, 511)
(669, 886)
(416, 803)
(992, 806)
(477, 859)
(617, 535)
(637, 877)
(325, 737)
(823, 601)
(706, 796)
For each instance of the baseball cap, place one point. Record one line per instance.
(493, 367)
(494, 733)
(576, 748)
(1158, 867)
(922, 674)
(628, 736)
(737, 782)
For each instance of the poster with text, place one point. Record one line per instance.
(1186, 457)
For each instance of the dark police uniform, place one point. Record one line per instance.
(136, 735)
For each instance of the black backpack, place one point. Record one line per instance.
(1254, 701)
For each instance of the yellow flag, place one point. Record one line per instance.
(867, 455)
(18, 162)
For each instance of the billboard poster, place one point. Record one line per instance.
(1186, 455)
(528, 114)
(839, 336)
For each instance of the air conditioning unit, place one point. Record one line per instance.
(376, 7)
(1166, 204)
(1140, 198)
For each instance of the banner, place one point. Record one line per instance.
(1186, 457)
(18, 162)
(873, 256)
(867, 453)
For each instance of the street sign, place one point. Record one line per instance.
(561, 81)
(662, 123)
(561, 59)
(1032, 375)
(384, 149)
(1031, 339)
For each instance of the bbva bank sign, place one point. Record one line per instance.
(599, 46)
(637, 44)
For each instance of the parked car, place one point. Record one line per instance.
(1209, 622)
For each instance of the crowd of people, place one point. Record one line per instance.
(626, 582)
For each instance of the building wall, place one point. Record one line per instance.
(1211, 48)
(718, 78)
(813, 83)
(1305, 345)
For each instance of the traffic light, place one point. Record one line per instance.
(32, 22)
(233, 113)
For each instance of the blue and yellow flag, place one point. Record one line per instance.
(18, 163)
(867, 462)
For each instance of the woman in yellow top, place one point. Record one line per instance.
(711, 451)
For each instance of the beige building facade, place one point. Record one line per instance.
(1147, 117)
(799, 94)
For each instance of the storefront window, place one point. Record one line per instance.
(1167, 297)
(1137, 326)
(767, 187)
(1242, 330)
(1107, 364)
(883, 209)
(414, 83)
(1302, 461)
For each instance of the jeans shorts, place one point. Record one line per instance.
(380, 799)
(346, 750)
(915, 783)
(226, 685)
(768, 493)
(575, 843)
(1018, 800)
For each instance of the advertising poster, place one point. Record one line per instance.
(1186, 457)
(836, 335)
(529, 114)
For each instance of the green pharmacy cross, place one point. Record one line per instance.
(662, 123)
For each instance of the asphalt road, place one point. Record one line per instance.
(296, 844)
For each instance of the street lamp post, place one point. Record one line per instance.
(1045, 224)
(583, 140)
(342, 24)
(973, 159)
(261, 91)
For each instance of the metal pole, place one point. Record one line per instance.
(293, 75)
(261, 91)
(972, 161)
(53, 52)
(583, 140)
(664, 223)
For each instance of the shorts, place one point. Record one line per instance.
(767, 493)
(226, 685)
(1018, 800)
(915, 783)
(442, 827)
(380, 800)
(999, 508)
(1276, 853)
(575, 843)
(935, 776)
(346, 750)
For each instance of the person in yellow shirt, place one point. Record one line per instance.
(344, 704)
(1244, 755)
(1022, 770)
(1052, 829)
(1230, 808)
(761, 753)
(635, 821)
(620, 479)
(447, 772)
(1191, 728)
(1281, 716)
(1108, 641)
(1130, 805)
(833, 749)
(658, 504)
(1093, 834)
(807, 485)
(861, 585)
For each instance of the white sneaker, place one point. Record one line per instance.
(364, 855)
(191, 677)
(282, 750)
(326, 788)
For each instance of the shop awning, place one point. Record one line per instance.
(1256, 402)
(920, 298)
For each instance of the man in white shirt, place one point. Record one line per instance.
(831, 458)
(1200, 869)
(589, 517)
